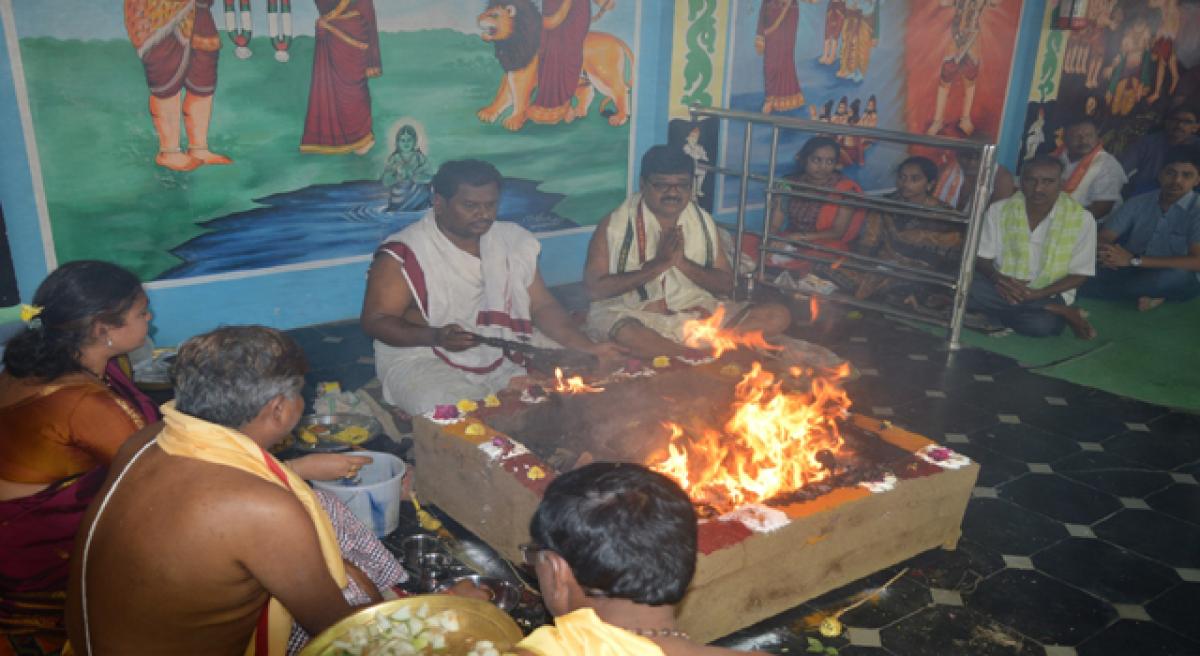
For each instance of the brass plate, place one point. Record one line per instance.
(478, 620)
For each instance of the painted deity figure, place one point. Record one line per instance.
(178, 44)
(1084, 54)
(775, 40)
(565, 26)
(345, 56)
(1129, 73)
(961, 61)
(407, 173)
(694, 149)
(860, 34)
(1035, 135)
(835, 18)
(1163, 50)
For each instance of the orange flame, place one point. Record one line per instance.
(572, 385)
(707, 332)
(814, 308)
(775, 442)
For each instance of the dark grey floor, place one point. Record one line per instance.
(1083, 535)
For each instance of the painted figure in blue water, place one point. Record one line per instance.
(407, 173)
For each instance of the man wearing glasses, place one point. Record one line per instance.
(614, 549)
(1145, 158)
(656, 263)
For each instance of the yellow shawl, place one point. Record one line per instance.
(190, 437)
(582, 633)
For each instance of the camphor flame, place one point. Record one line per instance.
(699, 333)
(572, 385)
(775, 442)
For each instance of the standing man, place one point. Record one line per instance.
(178, 44)
(656, 263)
(1150, 247)
(456, 274)
(1037, 247)
(1144, 159)
(1091, 175)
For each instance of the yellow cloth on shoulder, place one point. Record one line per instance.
(582, 633)
(189, 437)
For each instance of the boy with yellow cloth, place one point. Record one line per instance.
(614, 546)
(200, 540)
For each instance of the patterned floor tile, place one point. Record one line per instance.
(1109, 572)
(1060, 498)
(1122, 482)
(1041, 607)
(1025, 443)
(1009, 528)
(1176, 609)
(943, 630)
(1127, 637)
(1181, 500)
(1154, 535)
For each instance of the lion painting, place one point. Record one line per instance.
(514, 27)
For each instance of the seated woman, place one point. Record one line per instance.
(906, 240)
(825, 223)
(65, 410)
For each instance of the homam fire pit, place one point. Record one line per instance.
(797, 496)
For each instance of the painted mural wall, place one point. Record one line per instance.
(923, 66)
(184, 138)
(1128, 62)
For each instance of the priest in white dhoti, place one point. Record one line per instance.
(656, 262)
(453, 275)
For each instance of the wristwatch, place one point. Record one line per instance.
(1135, 261)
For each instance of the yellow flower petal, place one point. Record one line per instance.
(535, 473)
(30, 312)
(476, 429)
(491, 401)
(661, 362)
(467, 405)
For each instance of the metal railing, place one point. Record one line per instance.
(972, 218)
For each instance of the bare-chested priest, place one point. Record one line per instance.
(656, 262)
(452, 275)
(201, 542)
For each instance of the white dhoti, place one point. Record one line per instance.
(488, 295)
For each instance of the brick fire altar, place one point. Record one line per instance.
(894, 494)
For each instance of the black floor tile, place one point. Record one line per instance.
(1154, 449)
(943, 630)
(1111, 573)
(994, 468)
(1100, 461)
(1040, 607)
(1025, 442)
(1181, 500)
(1121, 482)
(1009, 528)
(1142, 638)
(936, 416)
(1177, 609)
(1060, 498)
(1078, 422)
(961, 569)
(1177, 424)
(902, 598)
(881, 390)
(1123, 408)
(1154, 535)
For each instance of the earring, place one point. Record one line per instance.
(108, 341)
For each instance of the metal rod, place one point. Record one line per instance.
(894, 270)
(850, 198)
(761, 265)
(808, 125)
(966, 268)
(741, 212)
(866, 305)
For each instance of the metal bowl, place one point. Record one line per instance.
(503, 593)
(334, 423)
(415, 547)
(478, 620)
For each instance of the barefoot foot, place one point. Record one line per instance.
(207, 156)
(177, 161)
(935, 128)
(1077, 320)
(1146, 303)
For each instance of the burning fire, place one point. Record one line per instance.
(572, 385)
(701, 332)
(775, 442)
